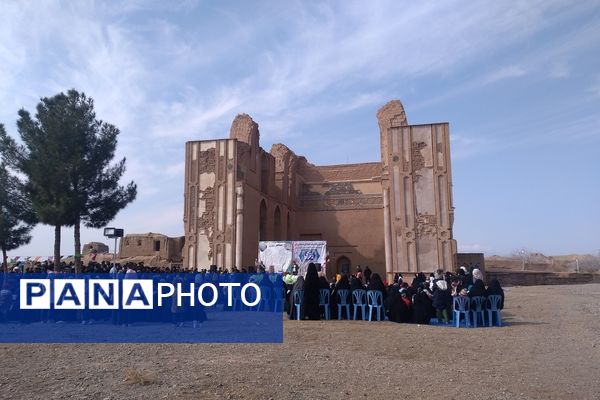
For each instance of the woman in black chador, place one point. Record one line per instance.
(421, 307)
(311, 293)
(395, 308)
(377, 284)
(496, 289)
(478, 289)
(341, 284)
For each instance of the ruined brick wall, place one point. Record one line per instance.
(151, 244)
(209, 210)
(418, 178)
(395, 215)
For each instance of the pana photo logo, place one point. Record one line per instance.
(144, 307)
(132, 294)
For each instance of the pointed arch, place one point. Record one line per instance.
(262, 233)
(277, 224)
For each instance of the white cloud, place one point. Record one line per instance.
(511, 71)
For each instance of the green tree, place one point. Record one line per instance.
(94, 180)
(16, 214)
(66, 156)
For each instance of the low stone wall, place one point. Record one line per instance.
(531, 278)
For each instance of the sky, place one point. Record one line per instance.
(518, 81)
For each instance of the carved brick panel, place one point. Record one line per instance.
(426, 225)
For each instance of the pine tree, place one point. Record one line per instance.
(94, 179)
(16, 214)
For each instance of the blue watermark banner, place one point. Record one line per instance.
(141, 308)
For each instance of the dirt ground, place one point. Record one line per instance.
(550, 349)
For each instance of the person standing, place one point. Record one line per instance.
(367, 274)
(311, 293)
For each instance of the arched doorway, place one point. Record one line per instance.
(343, 265)
(262, 233)
(277, 224)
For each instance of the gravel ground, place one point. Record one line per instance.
(550, 349)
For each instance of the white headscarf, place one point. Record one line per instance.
(477, 275)
(442, 284)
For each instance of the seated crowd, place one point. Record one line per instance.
(424, 298)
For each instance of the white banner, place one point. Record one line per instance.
(281, 255)
(276, 254)
(307, 252)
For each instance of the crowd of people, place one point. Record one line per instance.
(421, 300)
(106, 267)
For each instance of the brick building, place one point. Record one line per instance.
(395, 215)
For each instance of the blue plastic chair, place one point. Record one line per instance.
(461, 307)
(375, 300)
(324, 296)
(493, 306)
(477, 305)
(265, 296)
(297, 298)
(277, 298)
(342, 296)
(359, 298)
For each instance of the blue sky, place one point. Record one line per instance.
(519, 83)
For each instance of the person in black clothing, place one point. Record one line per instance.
(465, 277)
(495, 289)
(418, 280)
(442, 300)
(421, 307)
(356, 284)
(341, 284)
(396, 308)
(367, 274)
(478, 289)
(377, 284)
(323, 284)
(311, 293)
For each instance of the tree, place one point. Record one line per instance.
(93, 179)
(42, 158)
(66, 155)
(16, 214)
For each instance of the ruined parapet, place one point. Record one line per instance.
(285, 171)
(245, 130)
(283, 156)
(390, 115)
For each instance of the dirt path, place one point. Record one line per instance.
(550, 350)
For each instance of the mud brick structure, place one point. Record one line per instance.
(395, 215)
(151, 244)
